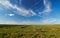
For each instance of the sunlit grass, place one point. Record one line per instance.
(30, 31)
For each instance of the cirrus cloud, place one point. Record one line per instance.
(24, 12)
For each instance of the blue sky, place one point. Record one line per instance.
(29, 11)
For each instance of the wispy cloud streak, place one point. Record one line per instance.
(48, 21)
(20, 10)
(24, 12)
(47, 7)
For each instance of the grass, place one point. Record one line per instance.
(30, 31)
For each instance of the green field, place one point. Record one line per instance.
(30, 31)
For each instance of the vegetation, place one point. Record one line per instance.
(30, 31)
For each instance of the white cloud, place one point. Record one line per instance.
(48, 21)
(28, 22)
(20, 10)
(47, 7)
(24, 12)
(20, 23)
(9, 22)
(11, 14)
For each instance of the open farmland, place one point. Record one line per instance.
(30, 31)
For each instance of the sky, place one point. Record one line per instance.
(29, 11)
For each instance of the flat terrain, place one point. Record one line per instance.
(29, 31)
